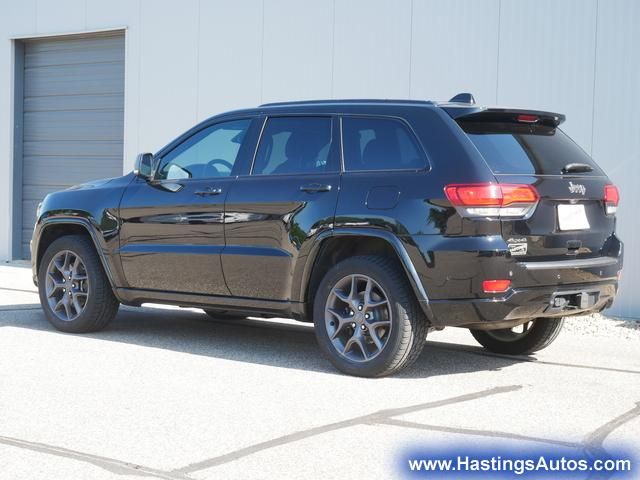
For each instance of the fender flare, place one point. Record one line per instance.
(91, 230)
(392, 240)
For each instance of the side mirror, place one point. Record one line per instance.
(144, 165)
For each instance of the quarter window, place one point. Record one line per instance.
(212, 152)
(380, 144)
(294, 145)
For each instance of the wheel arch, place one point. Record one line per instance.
(53, 228)
(341, 243)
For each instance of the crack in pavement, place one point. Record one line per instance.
(598, 436)
(110, 464)
(13, 308)
(480, 433)
(19, 290)
(126, 468)
(474, 351)
(593, 444)
(375, 417)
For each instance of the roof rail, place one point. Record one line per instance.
(345, 100)
(463, 98)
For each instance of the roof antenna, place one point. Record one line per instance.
(463, 98)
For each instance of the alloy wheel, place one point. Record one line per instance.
(67, 285)
(358, 318)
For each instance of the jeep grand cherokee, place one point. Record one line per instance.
(375, 220)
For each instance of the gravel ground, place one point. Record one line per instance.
(599, 325)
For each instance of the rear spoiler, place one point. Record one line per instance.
(471, 113)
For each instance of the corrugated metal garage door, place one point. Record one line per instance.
(73, 116)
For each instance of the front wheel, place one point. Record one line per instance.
(529, 337)
(366, 318)
(75, 292)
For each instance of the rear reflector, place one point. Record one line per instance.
(493, 200)
(496, 286)
(611, 199)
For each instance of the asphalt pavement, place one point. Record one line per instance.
(170, 393)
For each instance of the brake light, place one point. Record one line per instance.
(611, 199)
(495, 286)
(493, 200)
(527, 118)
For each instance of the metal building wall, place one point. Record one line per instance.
(189, 59)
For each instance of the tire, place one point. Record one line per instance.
(100, 305)
(540, 334)
(224, 315)
(402, 326)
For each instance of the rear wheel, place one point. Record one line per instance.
(529, 337)
(366, 318)
(75, 292)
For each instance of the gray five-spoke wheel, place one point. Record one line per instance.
(67, 285)
(358, 318)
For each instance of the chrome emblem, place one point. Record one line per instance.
(577, 188)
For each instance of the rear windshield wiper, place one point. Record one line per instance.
(577, 168)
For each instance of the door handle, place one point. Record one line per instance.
(209, 191)
(315, 187)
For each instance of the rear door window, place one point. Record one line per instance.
(297, 144)
(371, 143)
(525, 150)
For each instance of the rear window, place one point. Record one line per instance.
(524, 150)
(379, 144)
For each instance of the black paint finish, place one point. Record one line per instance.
(252, 243)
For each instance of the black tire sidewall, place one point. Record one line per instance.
(380, 364)
(540, 335)
(95, 273)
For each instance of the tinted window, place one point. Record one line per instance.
(380, 144)
(294, 145)
(513, 149)
(211, 152)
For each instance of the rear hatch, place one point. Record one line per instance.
(572, 220)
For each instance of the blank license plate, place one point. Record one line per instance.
(572, 217)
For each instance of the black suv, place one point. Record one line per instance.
(375, 220)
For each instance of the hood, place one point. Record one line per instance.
(92, 184)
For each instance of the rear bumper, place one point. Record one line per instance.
(523, 303)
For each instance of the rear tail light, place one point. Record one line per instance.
(495, 286)
(611, 199)
(490, 200)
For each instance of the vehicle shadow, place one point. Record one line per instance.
(249, 341)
